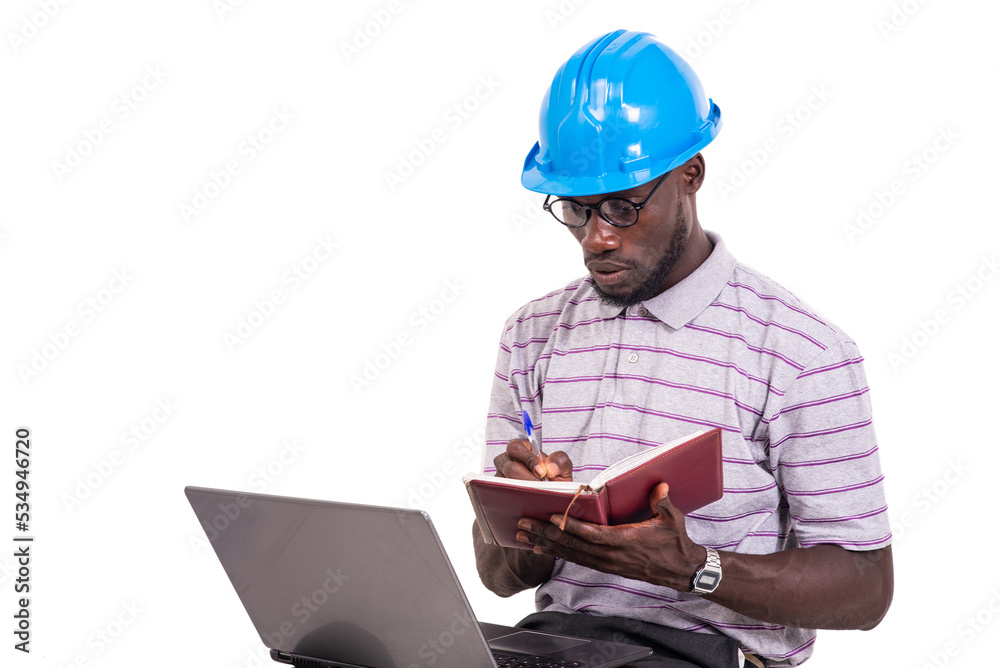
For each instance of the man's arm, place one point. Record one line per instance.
(824, 586)
(819, 587)
(506, 571)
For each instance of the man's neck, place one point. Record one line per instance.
(698, 248)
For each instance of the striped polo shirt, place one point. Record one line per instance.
(726, 347)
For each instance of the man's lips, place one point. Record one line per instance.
(607, 273)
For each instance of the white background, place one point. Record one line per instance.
(460, 219)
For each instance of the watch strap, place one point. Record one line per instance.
(709, 576)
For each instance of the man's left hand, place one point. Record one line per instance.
(657, 551)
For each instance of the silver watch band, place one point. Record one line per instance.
(711, 572)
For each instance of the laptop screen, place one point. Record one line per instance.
(342, 582)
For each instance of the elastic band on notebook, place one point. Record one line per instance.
(562, 525)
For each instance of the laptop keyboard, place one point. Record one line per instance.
(527, 661)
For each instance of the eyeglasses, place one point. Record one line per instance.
(618, 211)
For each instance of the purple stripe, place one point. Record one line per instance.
(566, 439)
(664, 351)
(527, 343)
(756, 349)
(836, 490)
(846, 518)
(546, 314)
(655, 597)
(501, 376)
(824, 462)
(605, 436)
(731, 518)
(741, 462)
(627, 590)
(577, 302)
(798, 650)
(749, 490)
(831, 367)
(780, 301)
(582, 323)
(644, 411)
(844, 543)
(657, 381)
(821, 432)
(769, 323)
(818, 402)
(501, 416)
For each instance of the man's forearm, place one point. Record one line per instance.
(825, 586)
(506, 571)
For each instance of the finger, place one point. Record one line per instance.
(508, 468)
(559, 466)
(659, 497)
(567, 545)
(663, 508)
(591, 533)
(520, 450)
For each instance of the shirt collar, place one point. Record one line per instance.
(680, 304)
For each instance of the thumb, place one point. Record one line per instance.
(659, 500)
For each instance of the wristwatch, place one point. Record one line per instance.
(710, 575)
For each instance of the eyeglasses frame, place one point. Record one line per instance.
(547, 206)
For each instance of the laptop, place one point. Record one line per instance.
(343, 585)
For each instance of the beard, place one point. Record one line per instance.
(650, 286)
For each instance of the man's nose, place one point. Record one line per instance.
(599, 235)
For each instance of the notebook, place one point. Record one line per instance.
(330, 584)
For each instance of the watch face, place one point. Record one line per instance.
(707, 580)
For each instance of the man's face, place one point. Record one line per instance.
(632, 264)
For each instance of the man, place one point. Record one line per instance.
(669, 333)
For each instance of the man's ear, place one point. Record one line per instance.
(693, 174)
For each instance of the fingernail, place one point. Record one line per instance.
(523, 524)
(540, 471)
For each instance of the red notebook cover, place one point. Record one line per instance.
(693, 470)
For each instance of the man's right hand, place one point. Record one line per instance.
(519, 462)
(508, 570)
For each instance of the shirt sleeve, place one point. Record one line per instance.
(824, 454)
(503, 422)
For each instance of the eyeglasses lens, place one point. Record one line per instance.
(619, 211)
(569, 213)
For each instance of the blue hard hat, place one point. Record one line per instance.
(623, 110)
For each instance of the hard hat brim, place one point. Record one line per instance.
(554, 183)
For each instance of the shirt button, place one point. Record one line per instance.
(643, 312)
(633, 358)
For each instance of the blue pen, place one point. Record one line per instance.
(529, 429)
